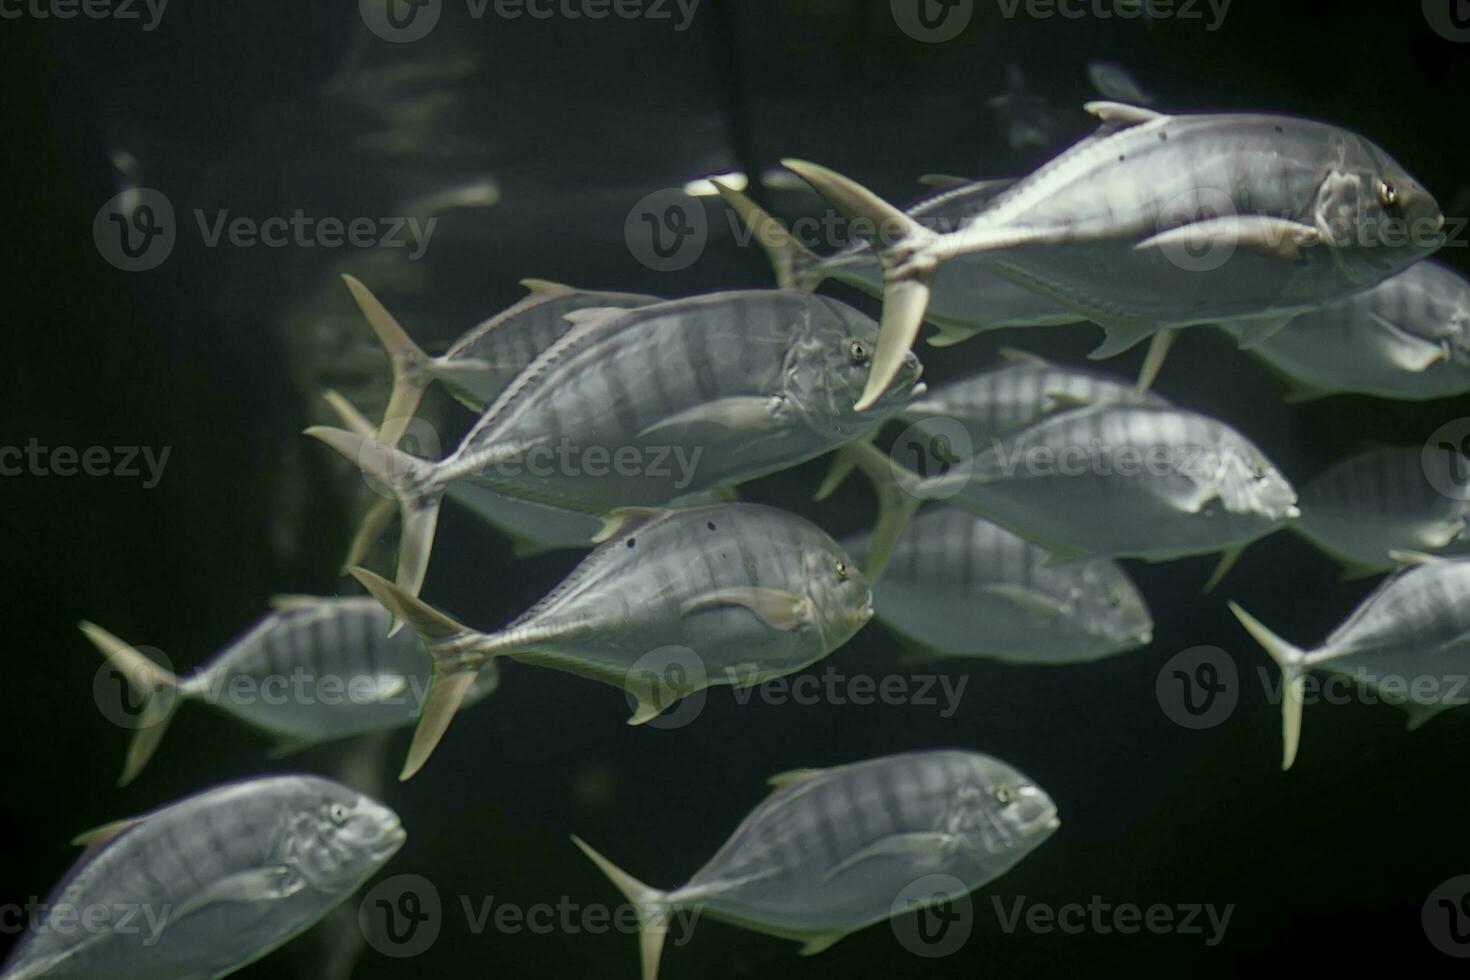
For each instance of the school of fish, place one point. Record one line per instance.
(1306, 242)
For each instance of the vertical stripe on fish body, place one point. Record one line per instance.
(210, 883)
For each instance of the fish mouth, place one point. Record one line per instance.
(390, 841)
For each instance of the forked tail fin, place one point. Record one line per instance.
(652, 906)
(157, 686)
(795, 265)
(406, 478)
(1293, 664)
(907, 275)
(410, 364)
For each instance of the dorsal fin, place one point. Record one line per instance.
(1022, 356)
(595, 315)
(944, 180)
(793, 776)
(625, 519)
(287, 602)
(547, 288)
(98, 836)
(1116, 115)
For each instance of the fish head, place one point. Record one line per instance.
(831, 371)
(1250, 484)
(338, 837)
(840, 593)
(1001, 809)
(1112, 608)
(1375, 214)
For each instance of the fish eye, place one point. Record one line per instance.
(858, 351)
(1003, 795)
(337, 813)
(1258, 473)
(841, 568)
(1388, 195)
(1114, 600)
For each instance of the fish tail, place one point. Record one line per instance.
(407, 478)
(154, 684)
(458, 653)
(410, 374)
(796, 266)
(899, 241)
(1293, 664)
(898, 498)
(652, 906)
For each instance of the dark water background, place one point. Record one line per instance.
(1327, 866)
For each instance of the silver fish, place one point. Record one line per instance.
(1381, 501)
(964, 300)
(1120, 481)
(533, 528)
(1001, 401)
(1116, 83)
(479, 365)
(1296, 214)
(693, 394)
(202, 887)
(831, 851)
(1409, 642)
(310, 671)
(958, 585)
(1406, 338)
(753, 592)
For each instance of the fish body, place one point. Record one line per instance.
(1406, 338)
(1409, 642)
(832, 851)
(1381, 501)
(211, 883)
(958, 585)
(1123, 481)
(312, 670)
(643, 407)
(750, 592)
(1292, 214)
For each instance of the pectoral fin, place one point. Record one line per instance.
(1122, 335)
(776, 607)
(1406, 350)
(921, 847)
(245, 888)
(1043, 606)
(742, 413)
(1277, 237)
